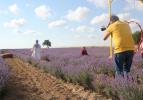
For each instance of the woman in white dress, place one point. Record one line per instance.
(36, 51)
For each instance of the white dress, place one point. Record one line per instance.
(36, 52)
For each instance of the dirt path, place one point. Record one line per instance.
(29, 83)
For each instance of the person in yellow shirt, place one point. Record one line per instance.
(123, 45)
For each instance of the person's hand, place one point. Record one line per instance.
(136, 46)
(103, 28)
(110, 57)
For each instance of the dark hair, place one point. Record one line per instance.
(36, 41)
(114, 18)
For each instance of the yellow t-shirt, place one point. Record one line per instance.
(122, 36)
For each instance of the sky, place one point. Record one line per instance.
(66, 23)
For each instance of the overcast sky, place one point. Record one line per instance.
(66, 23)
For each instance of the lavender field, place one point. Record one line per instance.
(94, 72)
(4, 74)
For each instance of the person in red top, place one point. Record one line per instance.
(84, 51)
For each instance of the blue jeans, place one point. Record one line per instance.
(123, 62)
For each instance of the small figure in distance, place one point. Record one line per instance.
(84, 51)
(36, 51)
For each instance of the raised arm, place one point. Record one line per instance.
(106, 35)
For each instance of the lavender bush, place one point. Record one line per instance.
(4, 74)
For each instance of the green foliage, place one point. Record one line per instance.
(29, 61)
(136, 36)
(110, 92)
(85, 79)
(47, 43)
(68, 78)
(59, 73)
(105, 89)
(131, 93)
(46, 58)
(33, 62)
(99, 86)
(105, 71)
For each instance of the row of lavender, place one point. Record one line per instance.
(95, 71)
(4, 74)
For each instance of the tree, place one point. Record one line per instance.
(136, 36)
(47, 43)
